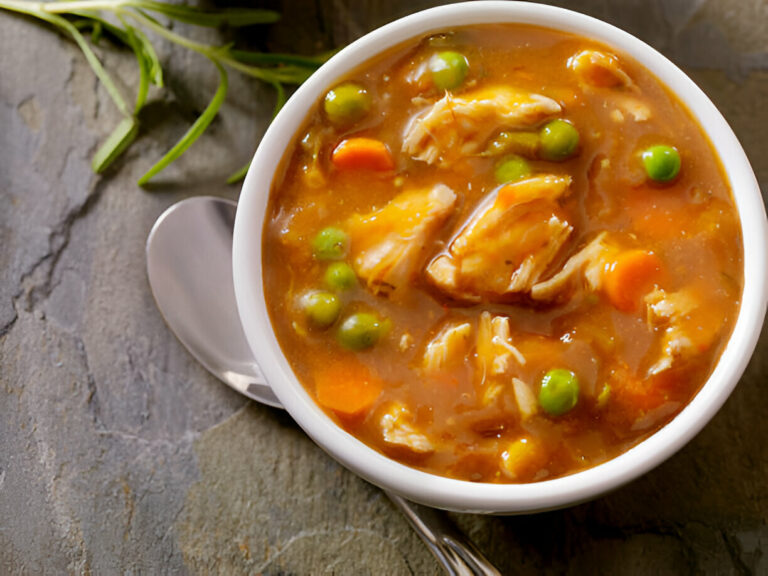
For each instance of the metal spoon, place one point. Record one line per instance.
(189, 264)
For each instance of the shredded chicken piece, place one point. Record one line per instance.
(601, 72)
(457, 126)
(494, 345)
(598, 69)
(449, 346)
(507, 244)
(386, 245)
(491, 391)
(632, 106)
(673, 311)
(406, 341)
(494, 354)
(588, 262)
(664, 308)
(526, 400)
(397, 430)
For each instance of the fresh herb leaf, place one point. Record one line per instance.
(74, 17)
(235, 177)
(92, 59)
(122, 137)
(233, 17)
(144, 66)
(194, 131)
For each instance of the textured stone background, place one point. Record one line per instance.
(119, 454)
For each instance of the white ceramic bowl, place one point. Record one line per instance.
(457, 494)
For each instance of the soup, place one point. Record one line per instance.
(501, 254)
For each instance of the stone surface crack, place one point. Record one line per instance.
(92, 398)
(39, 289)
(734, 551)
(5, 328)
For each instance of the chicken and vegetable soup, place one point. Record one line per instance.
(501, 254)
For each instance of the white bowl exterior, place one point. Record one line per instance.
(461, 495)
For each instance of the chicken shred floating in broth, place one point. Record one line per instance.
(502, 254)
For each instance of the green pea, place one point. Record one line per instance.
(361, 330)
(340, 276)
(559, 391)
(322, 308)
(347, 103)
(330, 244)
(661, 163)
(512, 168)
(448, 69)
(559, 140)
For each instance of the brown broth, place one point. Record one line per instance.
(691, 224)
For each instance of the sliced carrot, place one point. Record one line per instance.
(362, 154)
(629, 277)
(347, 387)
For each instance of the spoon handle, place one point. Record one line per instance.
(457, 555)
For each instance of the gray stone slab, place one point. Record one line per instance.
(119, 454)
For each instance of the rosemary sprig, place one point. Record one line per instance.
(125, 21)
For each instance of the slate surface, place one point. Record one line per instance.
(120, 455)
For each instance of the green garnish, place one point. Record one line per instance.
(128, 20)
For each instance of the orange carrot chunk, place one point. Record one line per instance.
(630, 276)
(362, 154)
(347, 388)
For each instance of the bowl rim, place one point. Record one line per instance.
(462, 495)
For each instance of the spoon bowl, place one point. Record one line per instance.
(189, 267)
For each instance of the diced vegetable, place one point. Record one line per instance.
(321, 308)
(559, 392)
(362, 154)
(559, 140)
(347, 388)
(523, 458)
(347, 103)
(512, 168)
(448, 69)
(522, 143)
(340, 276)
(661, 163)
(629, 277)
(362, 330)
(330, 244)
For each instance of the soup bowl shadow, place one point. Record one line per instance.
(459, 495)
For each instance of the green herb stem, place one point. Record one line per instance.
(194, 131)
(74, 17)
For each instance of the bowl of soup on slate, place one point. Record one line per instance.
(500, 257)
